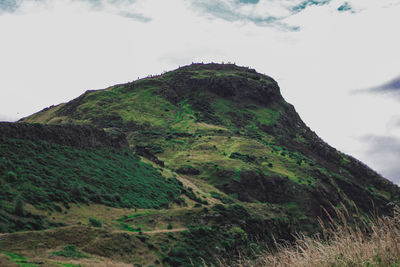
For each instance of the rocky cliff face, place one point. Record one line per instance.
(238, 84)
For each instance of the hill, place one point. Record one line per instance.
(232, 161)
(230, 127)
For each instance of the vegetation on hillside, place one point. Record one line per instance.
(48, 175)
(375, 243)
(230, 127)
(229, 230)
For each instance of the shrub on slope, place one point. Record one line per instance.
(44, 173)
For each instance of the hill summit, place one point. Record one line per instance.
(213, 149)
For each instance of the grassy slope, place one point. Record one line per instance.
(47, 175)
(163, 237)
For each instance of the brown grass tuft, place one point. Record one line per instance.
(340, 245)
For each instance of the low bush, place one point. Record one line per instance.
(94, 222)
(189, 170)
(243, 157)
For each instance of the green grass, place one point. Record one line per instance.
(70, 251)
(265, 115)
(127, 227)
(21, 261)
(138, 214)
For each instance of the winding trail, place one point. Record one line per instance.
(154, 231)
(165, 231)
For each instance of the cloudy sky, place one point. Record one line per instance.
(337, 61)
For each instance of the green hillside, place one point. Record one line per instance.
(61, 167)
(229, 126)
(203, 161)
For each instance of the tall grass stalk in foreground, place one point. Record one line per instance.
(340, 245)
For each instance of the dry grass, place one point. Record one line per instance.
(340, 245)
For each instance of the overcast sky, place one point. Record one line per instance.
(336, 61)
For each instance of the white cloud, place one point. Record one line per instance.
(384, 154)
(8, 118)
(52, 51)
